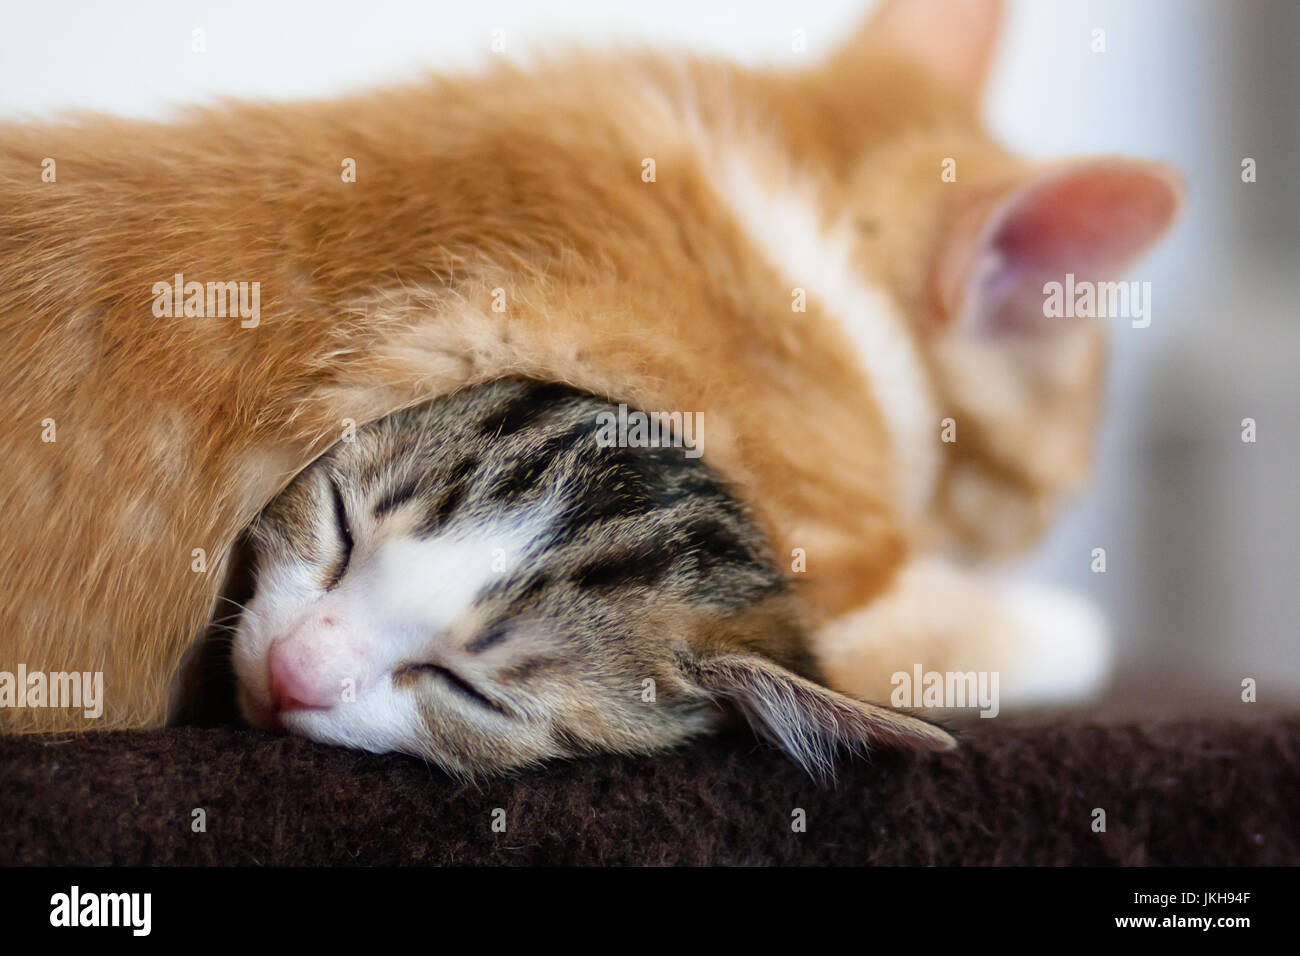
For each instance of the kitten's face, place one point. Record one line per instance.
(367, 633)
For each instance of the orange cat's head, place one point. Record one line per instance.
(968, 240)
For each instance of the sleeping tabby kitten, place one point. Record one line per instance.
(479, 582)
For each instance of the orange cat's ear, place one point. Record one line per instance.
(806, 720)
(952, 39)
(1088, 219)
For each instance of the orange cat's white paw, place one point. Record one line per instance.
(1064, 649)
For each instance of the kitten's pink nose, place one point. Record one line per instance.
(311, 666)
(293, 687)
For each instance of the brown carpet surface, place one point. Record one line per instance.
(1186, 792)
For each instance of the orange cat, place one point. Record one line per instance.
(786, 252)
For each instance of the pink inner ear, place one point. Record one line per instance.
(1090, 221)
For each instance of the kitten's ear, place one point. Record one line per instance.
(1003, 243)
(806, 720)
(952, 39)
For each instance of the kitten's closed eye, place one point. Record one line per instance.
(438, 672)
(345, 536)
(504, 589)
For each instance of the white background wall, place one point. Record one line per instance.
(1201, 530)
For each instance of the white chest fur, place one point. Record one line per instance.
(782, 216)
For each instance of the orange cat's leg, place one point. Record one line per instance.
(1044, 645)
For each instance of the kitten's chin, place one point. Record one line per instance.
(380, 720)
